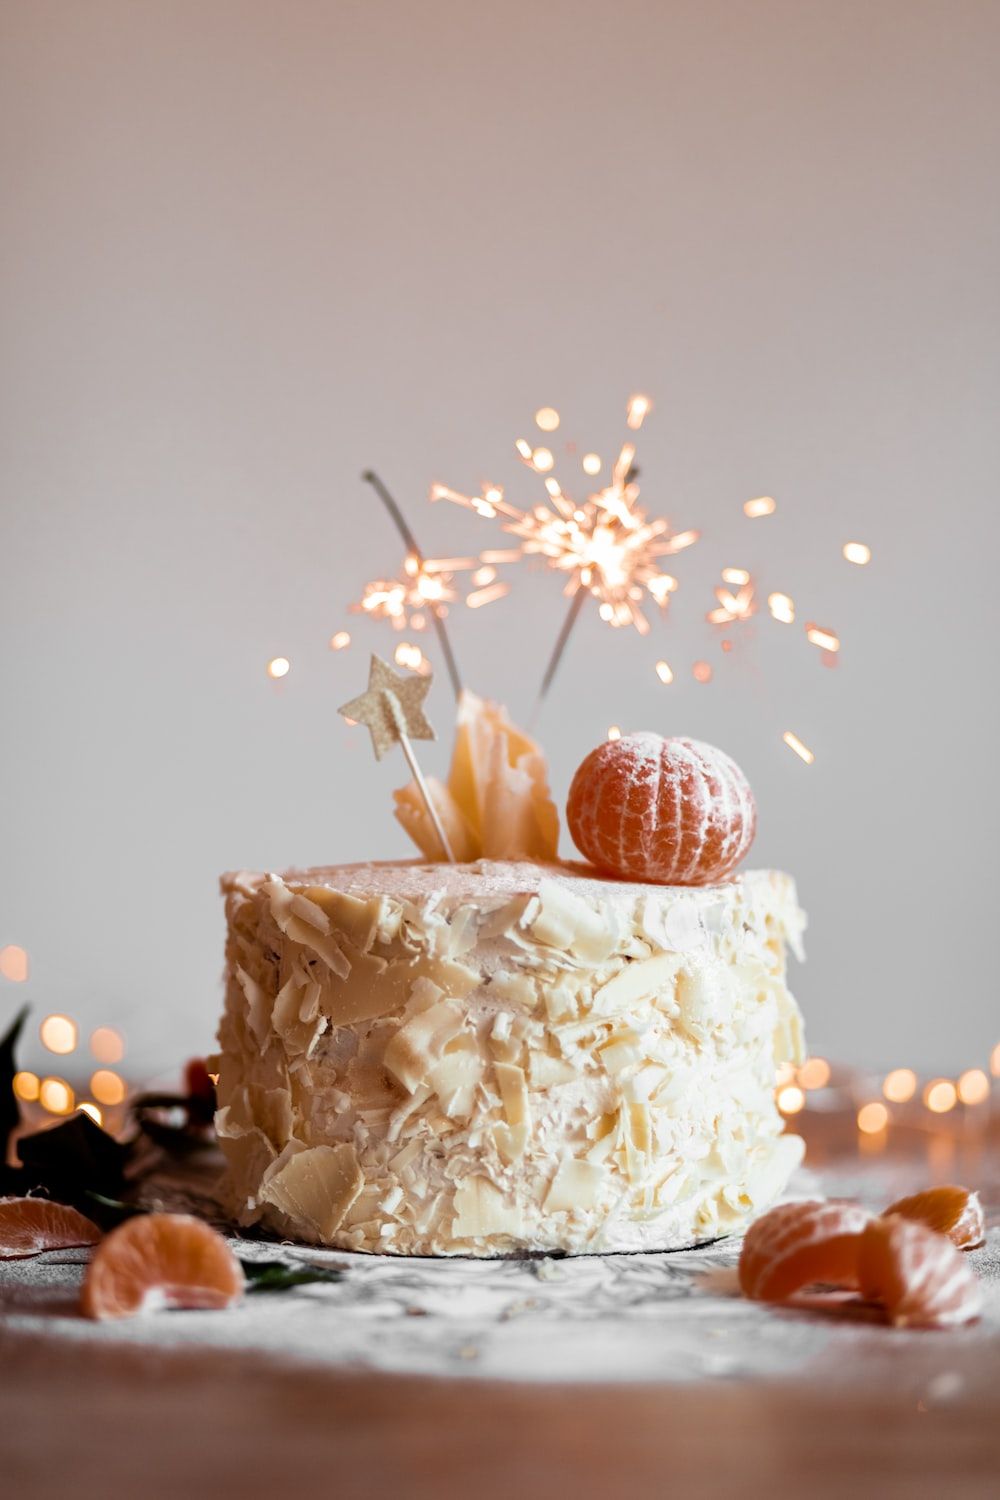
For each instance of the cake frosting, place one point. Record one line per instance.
(503, 1057)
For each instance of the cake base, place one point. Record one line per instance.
(504, 1058)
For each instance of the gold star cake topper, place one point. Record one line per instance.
(392, 709)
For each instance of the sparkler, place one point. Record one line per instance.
(606, 546)
(422, 580)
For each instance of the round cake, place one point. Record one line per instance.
(504, 1056)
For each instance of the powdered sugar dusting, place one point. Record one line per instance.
(669, 811)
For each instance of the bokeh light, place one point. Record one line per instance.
(59, 1034)
(107, 1044)
(973, 1086)
(278, 666)
(14, 963)
(107, 1087)
(872, 1118)
(940, 1095)
(55, 1095)
(900, 1085)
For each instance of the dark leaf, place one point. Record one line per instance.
(10, 1113)
(110, 1212)
(281, 1276)
(72, 1160)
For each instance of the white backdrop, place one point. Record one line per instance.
(251, 248)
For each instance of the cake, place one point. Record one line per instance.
(505, 1056)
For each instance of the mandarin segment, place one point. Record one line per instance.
(668, 811)
(917, 1275)
(161, 1260)
(801, 1244)
(30, 1225)
(952, 1210)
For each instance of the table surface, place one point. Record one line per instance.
(592, 1376)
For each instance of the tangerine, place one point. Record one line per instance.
(670, 811)
(30, 1225)
(954, 1211)
(801, 1244)
(917, 1274)
(160, 1260)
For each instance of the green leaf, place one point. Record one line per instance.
(282, 1276)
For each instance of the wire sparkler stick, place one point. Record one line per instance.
(410, 542)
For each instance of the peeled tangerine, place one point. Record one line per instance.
(496, 803)
(670, 811)
(157, 1261)
(802, 1244)
(953, 1211)
(30, 1225)
(917, 1275)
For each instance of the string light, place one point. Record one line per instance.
(107, 1087)
(56, 1096)
(664, 673)
(278, 666)
(26, 1086)
(781, 608)
(873, 1118)
(973, 1086)
(814, 1073)
(107, 1045)
(857, 552)
(340, 641)
(900, 1085)
(14, 963)
(940, 1096)
(762, 506)
(791, 1099)
(794, 743)
(59, 1034)
(547, 418)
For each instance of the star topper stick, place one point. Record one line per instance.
(392, 708)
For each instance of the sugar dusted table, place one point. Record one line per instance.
(598, 1376)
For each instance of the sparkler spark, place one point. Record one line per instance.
(739, 606)
(606, 545)
(421, 585)
(762, 506)
(823, 638)
(794, 743)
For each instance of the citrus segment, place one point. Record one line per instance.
(670, 811)
(919, 1277)
(30, 1225)
(160, 1260)
(953, 1211)
(801, 1244)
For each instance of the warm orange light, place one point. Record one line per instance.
(701, 671)
(340, 641)
(794, 743)
(524, 449)
(26, 1086)
(940, 1095)
(411, 657)
(14, 963)
(493, 591)
(56, 1096)
(591, 463)
(900, 1085)
(682, 539)
(547, 418)
(59, 1034)
(614, 733)
(107, 1087)
(791, 1099)
(87, 1108)
(857, 552)
(995, 1061)
(814, 1073)
(482, 576)
(542, 460)
(872, 1118)
(279, 666)
(738, 576)
(823, 638)
(639, 408)
(782, 608)
(663, 672)
(107, 1045)
(973, 1086)
(762, 506)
